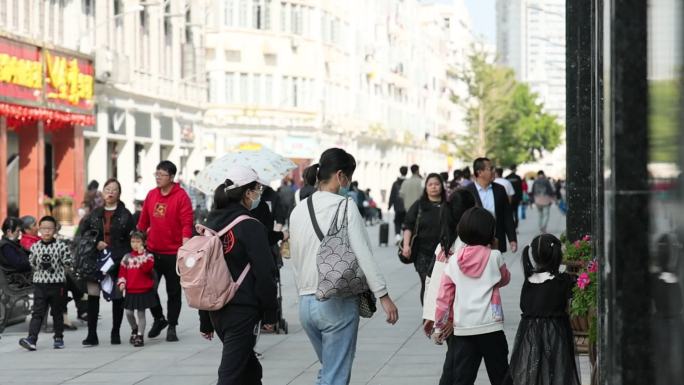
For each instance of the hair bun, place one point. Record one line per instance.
(228, 183)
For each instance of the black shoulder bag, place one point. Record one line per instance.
(414, 235)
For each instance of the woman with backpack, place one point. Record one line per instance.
(245, 246)
(332, 324)
(112, 224)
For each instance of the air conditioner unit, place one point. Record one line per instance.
(104, 65)
(123, 69)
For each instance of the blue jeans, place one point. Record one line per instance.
(332, 327)
(544, 213)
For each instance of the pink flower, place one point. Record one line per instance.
(577, 244)
(593, 266)
(583, 281)
(586, 238)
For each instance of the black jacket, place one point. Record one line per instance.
(13, 256)
(516, 181)
(429, 227)
(505, 227)
(394, 198)
(119, 232)
(258, 290)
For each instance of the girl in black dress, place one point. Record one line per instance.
(544, 351)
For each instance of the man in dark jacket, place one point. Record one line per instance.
(516, 181)
(493, 198)
(398, 203)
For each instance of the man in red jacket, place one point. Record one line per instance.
(167, 219)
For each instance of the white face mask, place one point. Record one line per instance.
(81, 212)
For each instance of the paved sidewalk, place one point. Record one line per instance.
(398, 354)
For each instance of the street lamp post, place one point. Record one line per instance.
(85, 44)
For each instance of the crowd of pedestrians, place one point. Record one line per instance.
(454, 232)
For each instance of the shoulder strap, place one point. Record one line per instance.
(312, 214)
(201, 229)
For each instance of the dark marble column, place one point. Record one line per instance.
(579, 135)
(628, 349)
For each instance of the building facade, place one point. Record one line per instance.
(46, 102)
(118, 86)
(302, 76)
(531, 40)
(150, 90)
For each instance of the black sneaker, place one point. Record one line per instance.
(91, 341)
(171, 334)
(28, 343)
(59, 343)
(157, 326)
(115, 338)
(134, 333)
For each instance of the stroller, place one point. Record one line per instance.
(281, 324)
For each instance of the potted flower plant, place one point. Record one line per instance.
(583, 311)
(576, 255)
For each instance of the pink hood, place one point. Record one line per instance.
(472, 260)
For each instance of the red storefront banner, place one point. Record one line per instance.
(21, 73)
(42, 84)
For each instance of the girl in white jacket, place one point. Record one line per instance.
(469, 296)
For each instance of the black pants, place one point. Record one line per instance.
(514, 207)
(235, 327)
(44, 295)
(465, 353)
(165, 266)
(423, 277)
(399, 221)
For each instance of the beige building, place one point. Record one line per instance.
(302, 76)
(151, 89)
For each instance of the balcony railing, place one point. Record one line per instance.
(164, 87)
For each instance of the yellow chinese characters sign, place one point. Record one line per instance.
(69, 80)
(21, 72)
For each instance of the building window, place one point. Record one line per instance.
(267, 14)
(243, 13)
(228, 13)
(270, 59)
(230, 87)
(15, 14)
(285, 88)
(296, 19)
(255, 95)
(244, 88)
(167, 23)
(233, 55)
(296, 89)
(268, 90)
(284, 12)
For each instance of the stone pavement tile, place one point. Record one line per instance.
(121, 377)
(26, 376)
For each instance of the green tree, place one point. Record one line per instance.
(505, 121)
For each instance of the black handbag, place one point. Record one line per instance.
(367, 304)
(412, 242)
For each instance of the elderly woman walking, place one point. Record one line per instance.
(332, 324)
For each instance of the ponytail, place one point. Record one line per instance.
(527, 263)
(311, 174)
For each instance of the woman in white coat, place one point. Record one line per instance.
(332, 325)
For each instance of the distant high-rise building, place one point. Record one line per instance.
(531, 40)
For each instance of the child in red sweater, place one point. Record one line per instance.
(136, 282)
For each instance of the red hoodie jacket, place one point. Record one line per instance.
(135, 272)
(166, 220)
(27, 240)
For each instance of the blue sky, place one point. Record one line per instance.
(483, 15)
